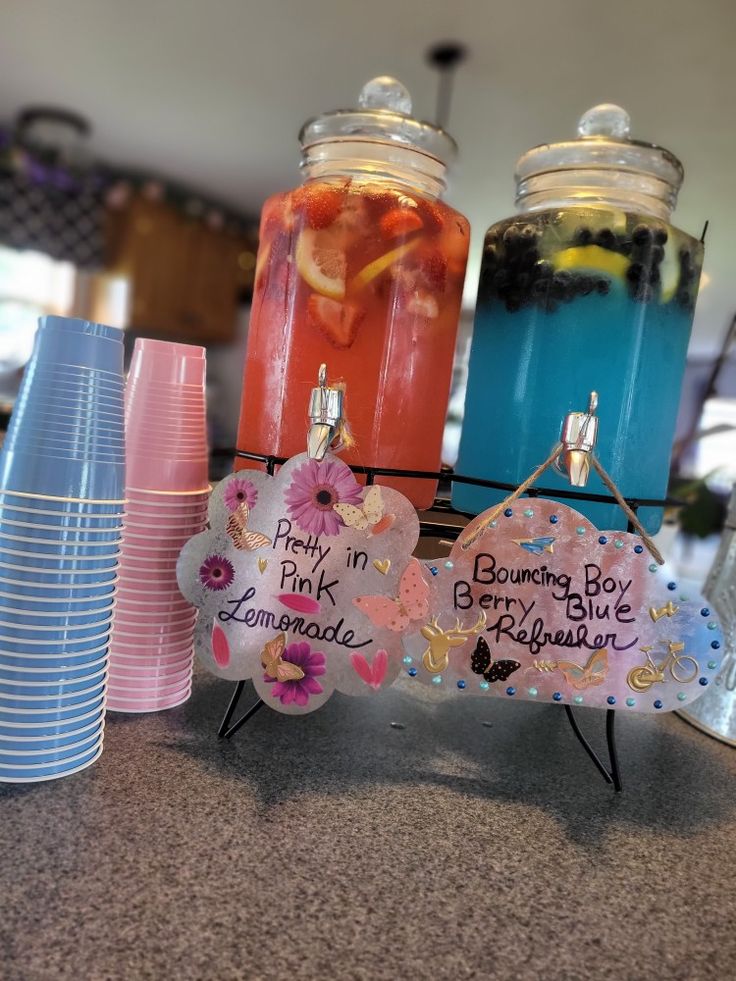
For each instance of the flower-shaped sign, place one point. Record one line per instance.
(306, 583)
(278, 574)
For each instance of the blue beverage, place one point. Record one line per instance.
(574, 299)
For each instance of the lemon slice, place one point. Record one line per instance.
(669, 270)
(368, 273)
(320, 263)
(591, 257)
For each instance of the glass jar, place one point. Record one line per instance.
(588, 289)
(361, 267)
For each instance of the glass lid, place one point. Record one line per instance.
(383, 116)
(603, 144)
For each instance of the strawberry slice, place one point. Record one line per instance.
(399, 221)
(434, 270)
(320, 203)
(338, 322)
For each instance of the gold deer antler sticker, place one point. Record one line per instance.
(436, 657)
(668, 610)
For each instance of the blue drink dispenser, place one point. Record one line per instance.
(589, 288)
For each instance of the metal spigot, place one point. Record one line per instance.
(578, 438)
(325, 414)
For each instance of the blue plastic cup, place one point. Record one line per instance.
(51, 771)
(53, 729)
(38, 756)
(25, 627)
(72, 341)
(21, 611)
(11, 674)
(65, 547)
(59, 740)
(62, 648)
(64, 478)
(57, 699)
(62, 509)
(18, 527)
(55, 559)
(51, 715)
(56, 592)
(54, 660)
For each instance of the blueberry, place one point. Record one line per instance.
(642, 235)
(500, 278)
(605, 238)
(528, 234)
(562, 278)
(545, 270)
(644, 293)
(684, 255)
(602, 286)
(635, 272)
(511, 236)
(660, 235)
(625, 248)
(683, 298)
(586, 285)
(657, 254)
(583, 236)
(523, 280)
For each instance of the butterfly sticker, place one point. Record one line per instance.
(411, 604)
(237, 529)
(481, 662)
(368, 517)
(537, 546)
(273, 663)
(594, 672)
(372, 674)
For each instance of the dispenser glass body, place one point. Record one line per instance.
(573, 300)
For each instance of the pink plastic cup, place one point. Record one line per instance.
(166, 673)
(121, 657)
(135, 706)
(167, 363)
(155, 686)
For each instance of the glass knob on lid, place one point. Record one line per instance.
(603, 165)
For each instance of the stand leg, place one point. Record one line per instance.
(614, 775)
(612, 754)
(226, 730)
(231, 708)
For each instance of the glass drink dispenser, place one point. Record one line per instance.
(589, 288)
(361, 267)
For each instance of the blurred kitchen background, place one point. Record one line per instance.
(139, 140)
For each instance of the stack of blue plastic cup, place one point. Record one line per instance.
(62, 480)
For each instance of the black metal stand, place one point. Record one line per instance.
(439, 528)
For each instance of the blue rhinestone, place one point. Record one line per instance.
(602, 539)
(715, 644)
(553, 519)
(658, 703)
(528, 513)
(578, 699)
(631, 702)
(705, 612)
(508, 512)
(494, 523)
(611, 700)
(638, 549)
(712, 626)
(653, 566)
(557, 696)
(618, 543)
(703, 681)
(671, 585)
(533, 692)
(580, 530)
(437, 680)
(681, 696)
(433, 569)
(449, 564)
(407, 659)
(511, 690)
(712, 665)
(412, 672)
(461, 684)
(484, 685)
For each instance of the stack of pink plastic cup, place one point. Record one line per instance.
(151, 654)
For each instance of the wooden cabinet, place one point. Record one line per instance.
(185, 276)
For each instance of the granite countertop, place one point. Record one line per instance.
(476, 842)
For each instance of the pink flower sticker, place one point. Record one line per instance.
(315, 489)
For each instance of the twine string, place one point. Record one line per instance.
(482, 528)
